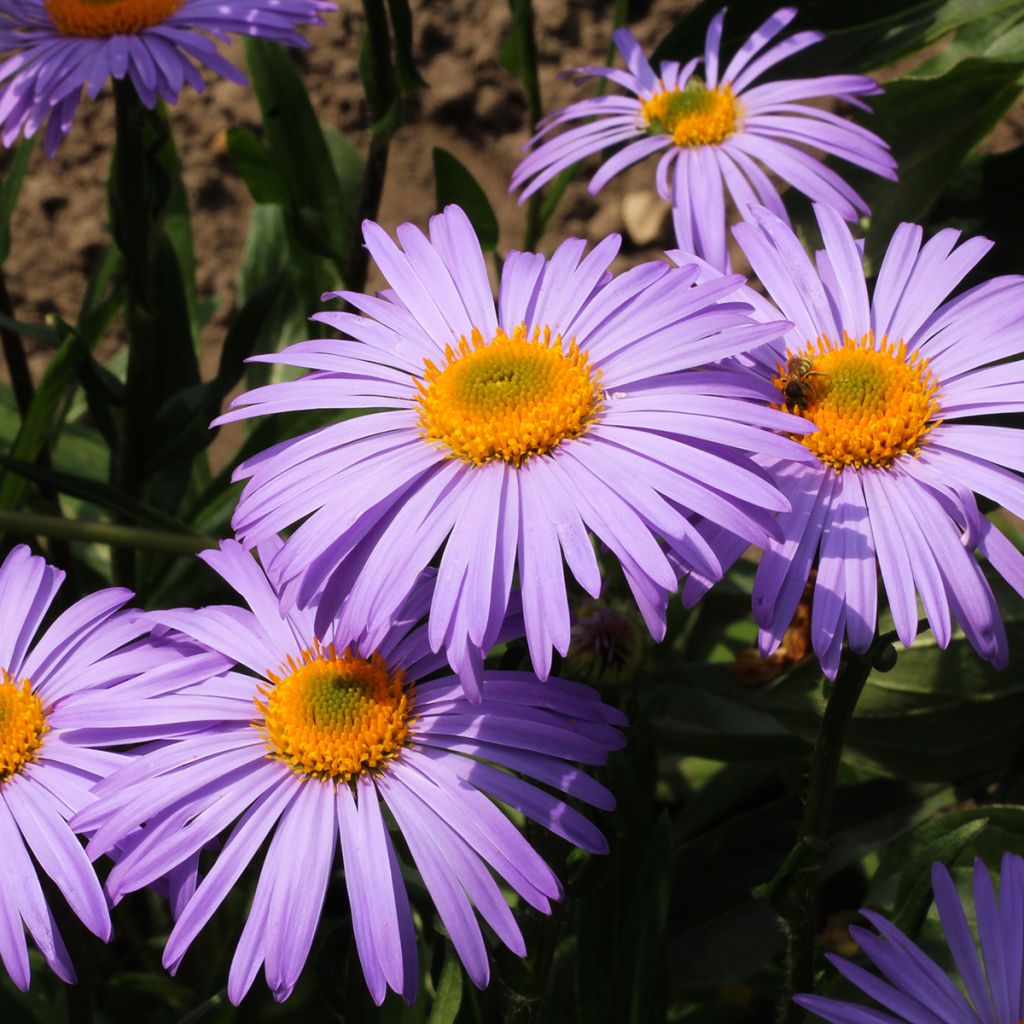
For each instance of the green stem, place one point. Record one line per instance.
(119, 537)
(14, 354)
(802, 883)
(523, 14)
(380, 98)
(133, 225)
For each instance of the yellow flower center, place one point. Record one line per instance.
(22, 725)
(508, 398)
(870, 404)
(694, 116)
(103, 18)
(334, 716)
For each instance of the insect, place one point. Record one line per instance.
(797, 386)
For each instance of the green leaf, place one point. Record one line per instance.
(937, 715)
(455, 184)
(297, 147)
(406, 74)
(646, 924)
(95, 491)
(972, 96)
(40, 332)
(939, 841)
(254, 164)
(998, 37)
(181, 428)
(44, 414)
(859, 37)
(449, 991)
(10, 189)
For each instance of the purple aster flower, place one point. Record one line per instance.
(916, 990)
(306, 740)
(717, 132)
(892, 382)
(47, 767)
(54, 48)
(510, 436)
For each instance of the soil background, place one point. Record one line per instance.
(472, 107)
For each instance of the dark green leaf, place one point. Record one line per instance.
(10, 189)
(859, 37)
(296, 145)
(939, 714)
(254, 164)
(972, 96)
(40, 332)
(455, 184)
(406, 73)
(96, 492)
(43, 417)
(449, 991)
(646, 923)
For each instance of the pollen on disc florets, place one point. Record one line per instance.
(871, 402)
(22, 725)
(693, 116)
(334, 716)
(105, 18)
(509, 398)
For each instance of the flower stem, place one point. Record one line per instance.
(800, 873)
(379, 83)
(133, 223)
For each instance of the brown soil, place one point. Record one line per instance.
(473, 107)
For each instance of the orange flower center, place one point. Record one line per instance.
(104, 18)
(22, 725)
(508, 398)
(871, 404)
(334, 716)
(694, 116)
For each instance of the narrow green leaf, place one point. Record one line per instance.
(297, 146)
(406, 73)
(10, 189)
(97, 492)
(647, 921)
(43, 416)
(455, 184)
(41, 332)
(449, 991)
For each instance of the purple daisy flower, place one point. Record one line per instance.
(718, 132)
(305, 739)
(917, 990)
(511, 435)
(54, 48)
(889, 381)
(46, 767)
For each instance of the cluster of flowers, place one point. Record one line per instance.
(670, 413)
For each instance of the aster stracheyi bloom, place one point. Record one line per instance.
(915, 989)
(892, 382)
(47, 768)
(717, 132)
(305, 736)
(54, 48)
(510, 436)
